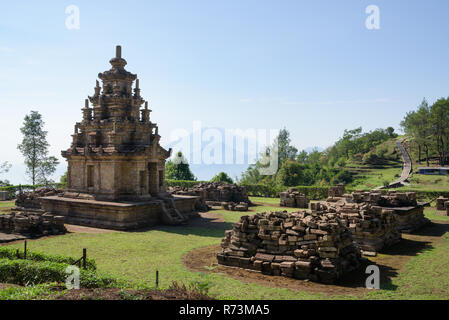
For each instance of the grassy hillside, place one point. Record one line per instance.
(368, 176)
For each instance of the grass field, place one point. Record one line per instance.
(368, 177)
(134, 258)
(5, 206)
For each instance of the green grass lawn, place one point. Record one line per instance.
(368, 177)
(134, 258)
(427, 182)
(5, 206)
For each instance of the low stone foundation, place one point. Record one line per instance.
(373, 228)
(409, 213)
(298, 245)
(116, 215)
(441, 203)
(293, 198)
(31, 222)
(31, 199)
(227, 196)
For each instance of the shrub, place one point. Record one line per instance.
(28, 272)
(11, 253)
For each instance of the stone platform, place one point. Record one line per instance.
(120, 215)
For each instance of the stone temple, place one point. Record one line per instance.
(116, 166)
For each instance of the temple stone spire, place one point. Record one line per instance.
(116, 134)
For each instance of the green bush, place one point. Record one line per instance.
(28, 272)
(10, 253)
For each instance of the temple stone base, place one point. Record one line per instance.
(120, 215)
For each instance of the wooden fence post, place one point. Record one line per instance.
(157, 279)
(84, 258)
(25, 250)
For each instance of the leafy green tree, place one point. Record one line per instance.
(63, 179)
(45, 169)
(439, 117)
(222, 177)
(291, 174)
(34, 148)
(178, 168)
(4, 168)
(285, 150)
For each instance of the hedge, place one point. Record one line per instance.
(11, 253)
(28, 272)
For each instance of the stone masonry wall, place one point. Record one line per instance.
(293, 198)
(300, 245)
(228, 196)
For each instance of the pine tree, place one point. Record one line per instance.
(34, 148)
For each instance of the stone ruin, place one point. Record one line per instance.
(372, 227)
(408, 212)
(337, 191)
(300, 245)
(31, 199)
(443, 206)
(293, 198)
(32, 222)
(4, 195)
(215, 194)
(115, 163)
(28, 218)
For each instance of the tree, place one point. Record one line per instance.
(439, 117)
(291, 174)
(34, 148)
(285, 150)
(222, 177)
(45, 169)
(63, 179)
(178, 168)
(4, 168)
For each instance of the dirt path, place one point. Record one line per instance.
(391, 262)
(81, 229)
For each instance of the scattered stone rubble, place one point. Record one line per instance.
(4, 195)
(33, 222)
(301, 245)
(408, 212)
(372, 227)
(228, 196)
(31, 199)
(294, 199)
(443, 206)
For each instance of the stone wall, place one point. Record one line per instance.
(293, 198)
(440, 202)
(33, 222)
(228, 196)
(409, 213)
(31, 199)
(373, 228)
(300, 245)
(4, 195)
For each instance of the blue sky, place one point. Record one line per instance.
(310, 66)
